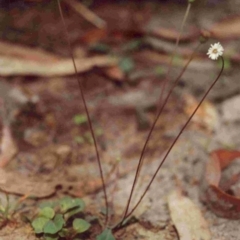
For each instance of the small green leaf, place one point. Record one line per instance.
(126, 65)
(79, 119)
(72, 212)
(69, 203)
(50, 204)
(177, 60)
(106, 235)
(159, 71)
(80, 225)
(46, 212)
(66, 203)
(132, 45)
(55, 225)
(39, 223)
(100, 47)
(64, 232)
(50, 236)
(79, 139)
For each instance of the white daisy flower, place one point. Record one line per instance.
(215, 51)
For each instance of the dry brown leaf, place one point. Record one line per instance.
(115, 73)
(10, 66)
(8, 147)
(228, 28)
(220, 202)
(187, 218)
(172, 34)
(16, 183)
(86, 13)
(206, 116)
(27, 53)
(94, 36)
(21, 60)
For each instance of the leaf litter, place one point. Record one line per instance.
(187, 168)
(187, 218)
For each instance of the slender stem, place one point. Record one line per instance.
(159, 106)
(153, 127)
(175, 140)
(87, 112)
(173, 54)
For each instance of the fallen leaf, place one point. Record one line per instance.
(94, 36)
(27, 53)
(16, 183)
(137, 231)
(227, 28)
(115, 73)
(230, 109)
(20, 60)
(206, 116)
(10, 66)
(220, 202)
(187, 218)
(8, 147)
(172, 34)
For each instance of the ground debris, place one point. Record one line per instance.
(187, 218)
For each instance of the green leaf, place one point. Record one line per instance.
(50, 204)
(69, 203)
(46, 212)
(126, 65)
(79, 119)
(106, 235)
(132, 45)
(100, 47)
(80, 225)
(177, 60)
(55, 225)
(72, 212)
(39, 223)
(64, 232)
(50, 236)
(79, 139)
(79, 203)
(159, 71)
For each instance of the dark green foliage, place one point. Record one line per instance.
(58, 220)
(106, 235)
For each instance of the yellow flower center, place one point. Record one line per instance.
(215, 51)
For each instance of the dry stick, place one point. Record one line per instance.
(175, 140)
(152, 128)
(161, 108)
(86, 110)
(86, 13)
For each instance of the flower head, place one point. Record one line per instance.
(215, 51)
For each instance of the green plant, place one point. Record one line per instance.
(79, 119)
(59, 219)
(127, 65)
(8, 210)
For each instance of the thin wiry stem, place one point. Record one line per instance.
(161, 108)
(152, 129)
(179, 36)
(87, 112)
(175, 140)
(173, 55)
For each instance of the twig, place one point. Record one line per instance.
(86, 110)
(86, 13)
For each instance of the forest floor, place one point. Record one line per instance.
(122, 52)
